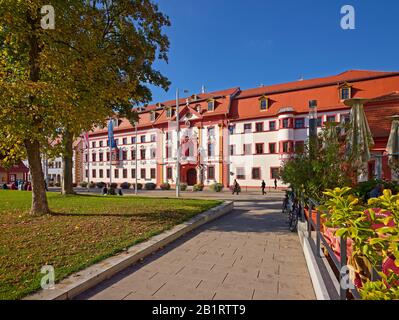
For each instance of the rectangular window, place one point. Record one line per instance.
(240, 173)
(93, 144)
(101, 173)
(86, 157)
(133, 154)
(116, 142)
(133, 172)
(142, 139)
(211, 131)
(211, 105)
(211, 173)
(330, 118)
(345, 93)
(263, 104)
(259, 148)
(124, 155)
(299, 146)
(299, 123)
(259, 127)
(211, 150)
(274, 173)
(93, 173)
(124, 173)
(169, 173)
(108, 156)
(272, 147)
(143, 173)
(232, 149)
(107, 143)
(93, 157)
(286, 146)
(153, 116)
(142, 154)
(247, 149)
(256, 173)
(247, 127)
(167, 135)
(272, 125)
(116, 173)
(286, 123)
(153, 173)
(101, 156)
(153, 138)
(107, 173)
(170, 112)
(168, 152)
(133, 140)
(101, 144)
(232, 129)
(124, 140)
(87, 173)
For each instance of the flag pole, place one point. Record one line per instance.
(178, 146)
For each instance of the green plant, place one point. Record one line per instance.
(216, 187)
(57, 184)
(183, 186)
(92, 185)
(382, 289)
(100, 185)
(165, 186)
(150, 186)
(83, 184)
(125, 185)
(198, 187)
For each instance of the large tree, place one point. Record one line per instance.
(56, 83)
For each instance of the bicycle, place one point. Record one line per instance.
(287, 203)
(293, 215)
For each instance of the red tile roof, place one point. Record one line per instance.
(347, 76)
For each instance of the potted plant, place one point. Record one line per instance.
(183, 186)
(125, 185)
(198, 187)
(216, 187)
(165, 186)
(150, 186)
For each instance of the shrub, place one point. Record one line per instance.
(216, 187)
(139, 186)
(51, 184)
(125, 185)
(100, 185)
(198, 187)
(150, 186)
(57, 184)
(92, 185)
(83, 184)
(111, 191)
(183, 186)
(165, 186)
(114, 185)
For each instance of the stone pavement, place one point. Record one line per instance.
(247, 254)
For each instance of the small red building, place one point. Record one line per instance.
(16, 172)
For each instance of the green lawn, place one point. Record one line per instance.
(83, 230)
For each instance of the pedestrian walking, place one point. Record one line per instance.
(236, 187)
(275, 183)
(263, 186)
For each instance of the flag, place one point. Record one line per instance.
(111, 139)
(86, 140)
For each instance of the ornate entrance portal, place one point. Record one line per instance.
(191, 177)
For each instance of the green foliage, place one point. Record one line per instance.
(364, 187)
(83, 184)
(311, 174)
(165, 186)
(125, 185)
(198, 187)
(92, 185)
(100, 185)
(381, 290)
(150, 186)
(216, 187)
(183, 186)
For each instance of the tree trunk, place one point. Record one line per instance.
(39, 198)
(67, 181)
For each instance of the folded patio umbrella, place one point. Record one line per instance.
(359, 139)
(393, 141)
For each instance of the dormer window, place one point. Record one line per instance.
(170, 112)
(345, 91)
(211, 105)
(264, 103)
(159, 105)
(153, 116)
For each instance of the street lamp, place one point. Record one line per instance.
(312, 127)
(178, 143)
(135, 158)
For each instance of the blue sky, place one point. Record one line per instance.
(222, 44)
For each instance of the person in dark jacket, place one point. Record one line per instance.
(263, 187)
(236, 187)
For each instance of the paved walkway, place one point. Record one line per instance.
(247, 254)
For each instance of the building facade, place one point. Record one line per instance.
(234, 133)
